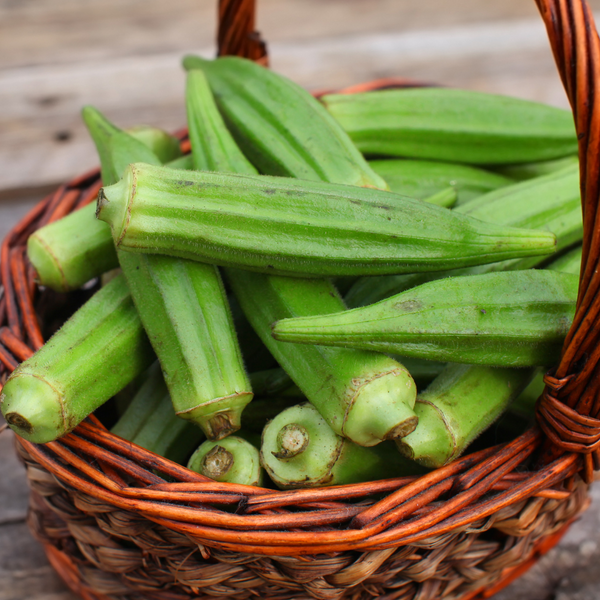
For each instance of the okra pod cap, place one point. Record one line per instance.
(232, 460)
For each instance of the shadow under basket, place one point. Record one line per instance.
(120, 523)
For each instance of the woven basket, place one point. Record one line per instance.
(114, 529)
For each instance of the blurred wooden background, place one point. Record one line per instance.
(123, 56)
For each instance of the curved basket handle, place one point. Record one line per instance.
(569, 408)
(236, 35)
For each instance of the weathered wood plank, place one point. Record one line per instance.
(24, 569)
(14, 493)
(42, 139)
(50, 31)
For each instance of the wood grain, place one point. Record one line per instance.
(56, 57)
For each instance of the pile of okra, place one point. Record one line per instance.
(386, 273)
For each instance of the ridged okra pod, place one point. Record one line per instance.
(453, 125)
(73, 250)
(299, 450)
(359, 382)
(184, 310)
(423, 178)
(183, 307)
(551, 202)
(151, 423)
(502, 319)
(280, 127)
(300, 228)
(459, 405)
(524, 404)
(233, 460)
(363, 396)
(98, 351)
(536, 169)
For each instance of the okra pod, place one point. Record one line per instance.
(423, 178)
(98, 351)
(453, 125)
(445, 198)
(279, 126)
(356, 382)
(551, 202)
(299, 450)
(162, 144)
(459, 405)
(73, 250)
(501, 319)
(184, 310)
(183, 307)
(300, 228)
(364, 396)
(151, 423)
(536, 169)
(232, 459)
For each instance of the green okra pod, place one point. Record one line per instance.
(70, 252)
(551, 202)
(299, 450)
(280, 127)
(453, 125)
(98, 351)
(536, 169)
(143, 403)
(151, 423)
(364, 396)
(445, 198)
(183, 307)
(233, 460)
(299, 228)
(165, 146)
(459, 405)
(184, 310)
(503, 319)
(358, 385)
(73, 250)
(423, 178)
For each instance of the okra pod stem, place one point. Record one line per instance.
(299, 450)
(98, 351)
(232, 459)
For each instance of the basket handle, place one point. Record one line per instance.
(569, 408)
(236, 35)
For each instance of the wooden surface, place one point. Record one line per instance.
(124, 57)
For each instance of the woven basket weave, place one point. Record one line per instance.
(114, 529)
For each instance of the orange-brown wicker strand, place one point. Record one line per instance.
(236, 35)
